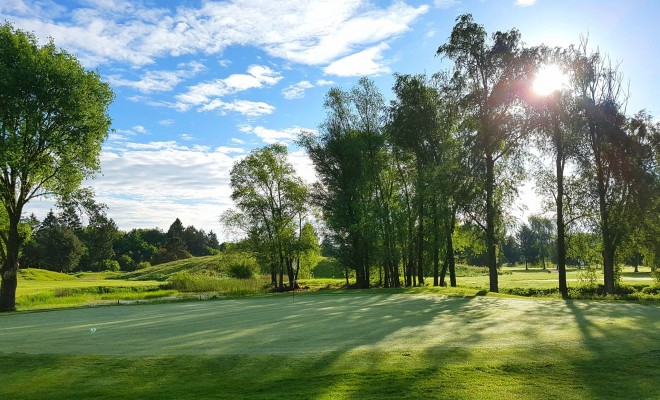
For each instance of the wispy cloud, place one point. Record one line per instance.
(270, 136)
(207, 94)
(525, 3)
(446, 3)
(158, 81)
(311, 33)
(296, 90)
(366, 62)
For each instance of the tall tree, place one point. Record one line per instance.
(270, 196)
(556, 119)
(616, 156)
(493, 76)
(348, 159)
(53, 119)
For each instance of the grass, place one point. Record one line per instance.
(218, 265)
(185, 281)
(40, 289)
(351, 345)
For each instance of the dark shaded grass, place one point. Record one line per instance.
(441, 373)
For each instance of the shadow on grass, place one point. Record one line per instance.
(624, 349)
(344, 347)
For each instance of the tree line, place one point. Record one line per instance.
(397, 179)
(63, 243)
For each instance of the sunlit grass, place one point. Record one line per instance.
(339, 346)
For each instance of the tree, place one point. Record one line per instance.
(541, 228)
(493, 77)
(616, 155)
(527, 239)
(99, 237)
(270, 196)
(557, 122)
(53, 119)
(54, 248)
(349, 159)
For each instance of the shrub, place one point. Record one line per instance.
(126, 263)
(240, 270)
(110, 265)
(143, 265)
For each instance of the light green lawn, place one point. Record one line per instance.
(356, 345)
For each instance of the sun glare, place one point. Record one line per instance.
(548, 79)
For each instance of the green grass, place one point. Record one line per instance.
(353, 345)
(210, 265)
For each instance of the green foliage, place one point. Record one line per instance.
(110, 265)
(53, 120)
(54, 248)
(143, 265)
(328, 267)
(241, 270)
(588, 276)
(126, 263)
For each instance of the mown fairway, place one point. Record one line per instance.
(344, 346)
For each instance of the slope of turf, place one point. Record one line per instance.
(34, 274)
(347, 346)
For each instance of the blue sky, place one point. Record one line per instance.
(199, 84)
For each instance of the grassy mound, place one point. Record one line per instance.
(34, 274)
(220, 265)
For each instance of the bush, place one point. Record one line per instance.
(240, 270)
(126, 263)
(143, 265)
(110, 265)
(653, 290)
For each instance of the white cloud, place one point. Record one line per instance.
(166, 122)
(188, 137)
(207, 94)
(124, 134)
(315, 32)
(323, 82)
(366, 62)
(525, 3)
(303, 165)
(237, 141)
(446, 3)
(296, 90)
(245, 107)
(271, 136)
(158, 81)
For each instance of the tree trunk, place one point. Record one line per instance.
(420, 242)
(436, 244)
(608, 244)
(450, 250)
(561, 231)
(491, 244)
(9, 268)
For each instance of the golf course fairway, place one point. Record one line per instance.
(336, 346)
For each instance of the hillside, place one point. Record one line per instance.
(34, 274)
(218, 265)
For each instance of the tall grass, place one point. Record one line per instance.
(185, 281)
(81, 296)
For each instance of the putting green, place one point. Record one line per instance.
(357, 345)
(325, 323)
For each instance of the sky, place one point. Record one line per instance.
(199, 84)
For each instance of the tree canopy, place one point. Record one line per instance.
(53, 120)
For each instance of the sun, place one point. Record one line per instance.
(548, 79)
